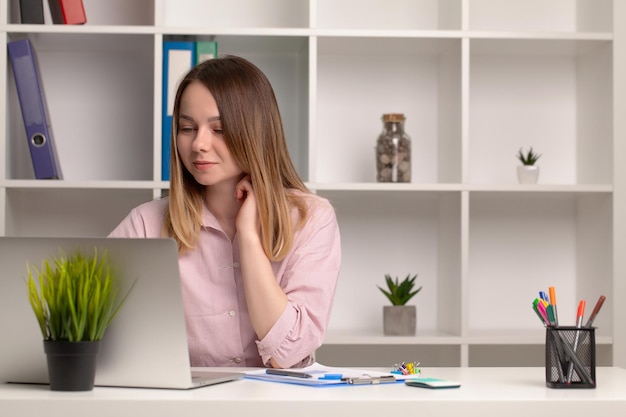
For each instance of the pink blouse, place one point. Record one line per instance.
(219, 330)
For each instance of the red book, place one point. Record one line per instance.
(67, 12)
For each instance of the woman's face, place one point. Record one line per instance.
(200, 141)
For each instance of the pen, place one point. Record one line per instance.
(541, 310)
(543, 296)
(579, 322)
(552, 292)
(283, 372)
(557, 344)
(595, 311)
(550, 312)
(578, 365)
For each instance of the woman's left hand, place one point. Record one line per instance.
(248, 217)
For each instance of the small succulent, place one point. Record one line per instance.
(528, 158)
(399, 293)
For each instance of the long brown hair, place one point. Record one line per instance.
(253, 132)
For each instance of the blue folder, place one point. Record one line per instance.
(34, 109)
(178, 59)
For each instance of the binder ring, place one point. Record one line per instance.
(38, 140)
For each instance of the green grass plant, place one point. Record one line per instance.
(74, 296)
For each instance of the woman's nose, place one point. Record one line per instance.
(203, 140)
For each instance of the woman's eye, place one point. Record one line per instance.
(186, 129)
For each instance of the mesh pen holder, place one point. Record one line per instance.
(570, 357)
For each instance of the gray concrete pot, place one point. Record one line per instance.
(399, 320)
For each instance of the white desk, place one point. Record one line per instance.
(485, 392)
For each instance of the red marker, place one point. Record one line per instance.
(595, 311)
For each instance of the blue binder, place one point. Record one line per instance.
(178, 59)
(34, 109)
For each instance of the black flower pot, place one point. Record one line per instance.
(71, 365)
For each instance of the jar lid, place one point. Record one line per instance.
(393, 117)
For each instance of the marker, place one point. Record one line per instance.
(553, 304)
(282, 372)
(579, 322)
(551, 318)
(595, 311)
(543, 296)
(541, 310)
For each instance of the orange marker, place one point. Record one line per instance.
(553, 303)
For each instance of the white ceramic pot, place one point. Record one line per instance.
(527, 174)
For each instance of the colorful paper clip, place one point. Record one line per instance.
(410, 368)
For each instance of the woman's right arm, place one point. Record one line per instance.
(144, 221)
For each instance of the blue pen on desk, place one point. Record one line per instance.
(331, 376)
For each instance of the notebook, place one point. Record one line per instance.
(145, 346)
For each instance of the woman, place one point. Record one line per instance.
(259, 254)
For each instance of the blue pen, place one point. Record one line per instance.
(543, 296)
(331, 376)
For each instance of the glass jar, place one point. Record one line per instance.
(393, 150)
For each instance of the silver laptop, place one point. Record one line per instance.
(145, 346)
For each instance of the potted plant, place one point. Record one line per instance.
(528, 172)
(74, 298)
(398, 318)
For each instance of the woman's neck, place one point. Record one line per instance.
(221, 201)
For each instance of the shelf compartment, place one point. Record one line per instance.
(422, 337)
(285, 62)
(360, 79)
(386, 355)
(520, 244)
(553, 95)
(236, 14)
(420, 235)
(100, 111)
(98, 12)
(389, 15)
(68, 212)
(526, 355)
(541, 16)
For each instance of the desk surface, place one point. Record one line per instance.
(488, 391)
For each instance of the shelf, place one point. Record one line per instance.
(100, 13)
(476, 79)
(424, 337)
(86, 185)
(237, 14)
(484, 188)
(69, 212)
(110, 125)
(540, 16)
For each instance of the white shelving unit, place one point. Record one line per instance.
(476, 79)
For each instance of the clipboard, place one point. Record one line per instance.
(318, 375)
